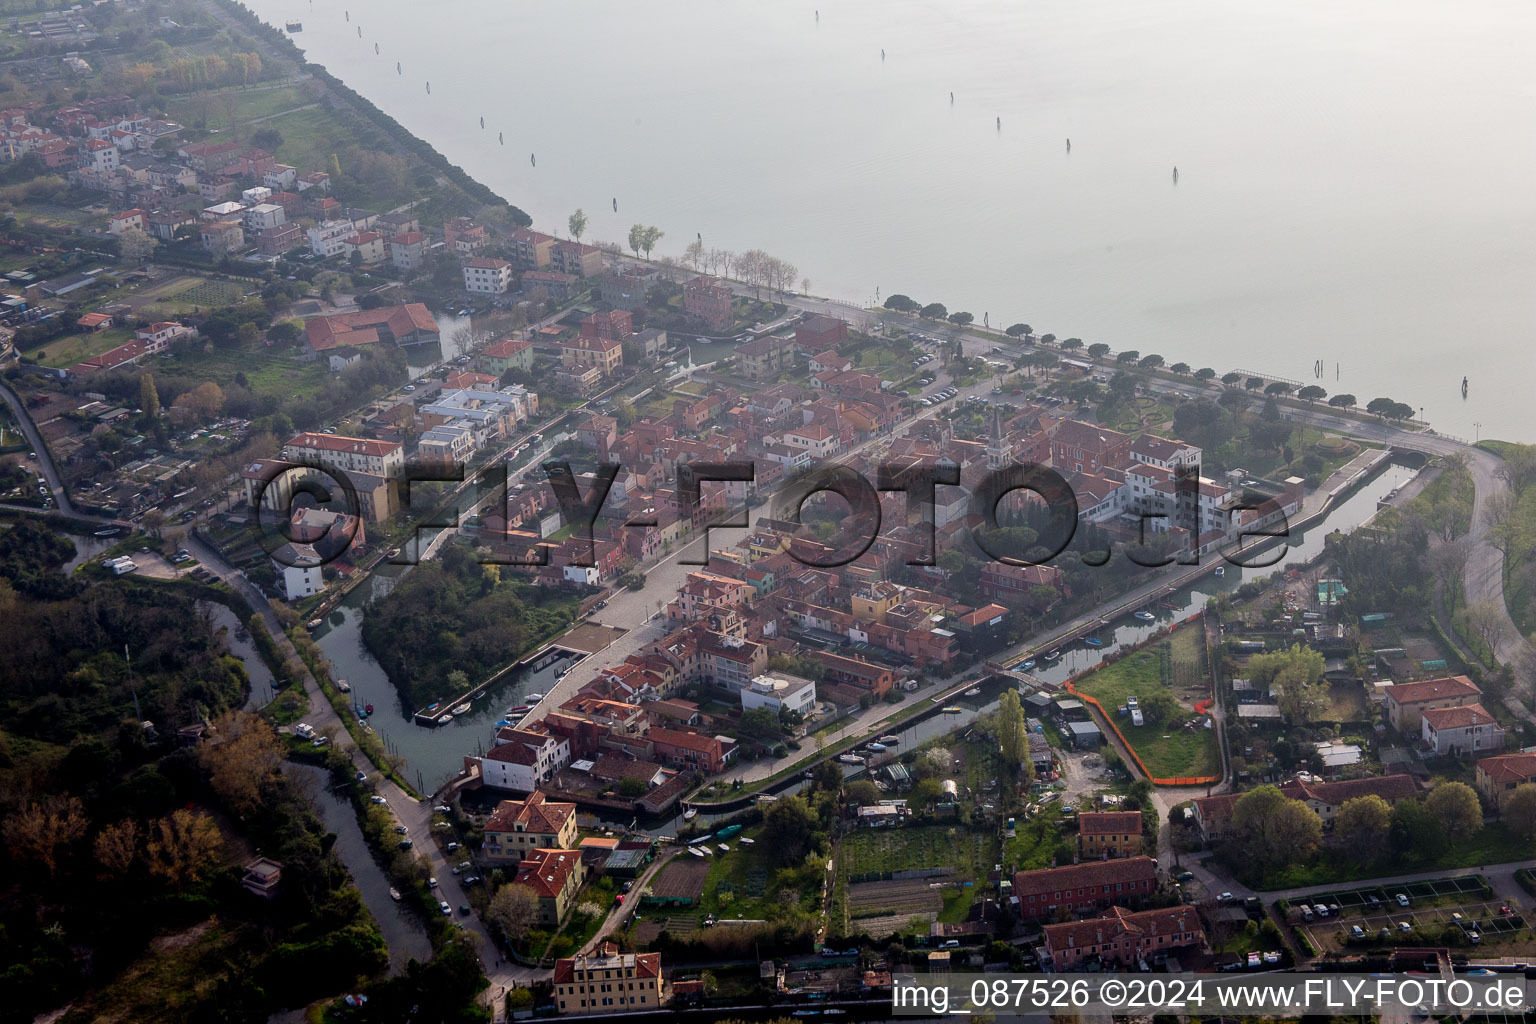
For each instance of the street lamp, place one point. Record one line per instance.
(1477, 429)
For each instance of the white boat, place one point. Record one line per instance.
(394, 894)
(876, 748)
(1145, 616)
(1221, 570)
(690, 814)
(533, 698)
(697, 852)
(1053, 655)
(724, 847)
(343, 686)
(953, 710)
(850, 759)
(462, 709)
(891, 740)
(445, 720)
(974, 691)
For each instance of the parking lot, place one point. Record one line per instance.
(1434, 906)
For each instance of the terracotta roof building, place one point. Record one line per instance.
(517, 827)
(1109, 833)
(608, 982)
(408, 324)
(1501, 775)
(1213, 814)
(1123, 936)
(1060, 892)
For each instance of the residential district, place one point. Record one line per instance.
(795, 738)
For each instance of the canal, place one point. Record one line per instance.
(434, 755)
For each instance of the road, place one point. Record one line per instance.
(622, 912)
(35, 439)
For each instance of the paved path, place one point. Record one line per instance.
(622, 912)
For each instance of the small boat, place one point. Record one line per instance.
(533, 697)
(697, 852)
(482, 122)
(519, 709)
(430, 708)
(724, 848)
(974, 691)
(1145, 616)
(615, 204)
(294, 26)
(429, 88)
(445, 720)
(728, 832)
(501, 138)
(891, 740)
(954, 710)
(502, 722)
(462, 709)
(876, 748)
(850, 759)
(375, 49)
(394, 894)
(747, 841)
(532, 161)
(346, 687)
(1053, 655)
(1026, 666)
(703, 851)
(1221, 570)
(398, 69)
(1093, 641)
(111, 531)
(690, 814)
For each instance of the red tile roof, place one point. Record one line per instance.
(535, 814)
(1080, 876)
(1462, 717)
(338, 443)
(1509, 767)
(1096, 931)
(546, 872)
(326, 332)
(1432, 689)
(1109, 823)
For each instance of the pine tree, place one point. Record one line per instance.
(149, 397)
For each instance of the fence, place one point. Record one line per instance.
(899, 876)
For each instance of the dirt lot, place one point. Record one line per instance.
(883, 908)
(683, 877)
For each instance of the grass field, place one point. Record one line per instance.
(187, 294)
(286, 377)
(72, 348)
(249, 103)
(1176, 666)
(740, 883)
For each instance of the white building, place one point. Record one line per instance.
(258, 194)
(587, 574)
(1459, 731)
(780, 693)
(451, 443)
(223, 211)
(521, 760)
(350, 454)
(329, 237)
(263, 216)
(485, 275)
(302, 579)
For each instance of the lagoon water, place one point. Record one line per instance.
(1354, 180)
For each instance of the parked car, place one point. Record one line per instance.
(445, 908)
(1403, 900)
(1184, 876)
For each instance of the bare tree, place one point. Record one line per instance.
(515, 909)
(693, 255)
(1500, 513)
(1486, 620)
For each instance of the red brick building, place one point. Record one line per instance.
(1077, 888)
(615, 324)
(709, 300)
(820, 333)
(1123, 936)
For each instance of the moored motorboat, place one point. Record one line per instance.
(1093, 641)
(346, 687)
(690, 814)
(1221, 570)
(953, 710)
(724, 848)
(1026, 666)
(891, 740)
(445, 720)
(462, 709)
(1145, 616)
(1053, 655)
